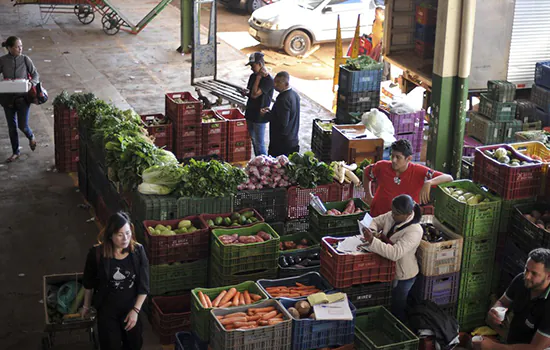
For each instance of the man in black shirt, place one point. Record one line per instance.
(528, 296)
(284, 118)
(260, 93)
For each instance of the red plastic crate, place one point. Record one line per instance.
(218, 128)
(425, 15)
(346, 270)
(423, 49)
(298, 198)
(427, 209)
(66, 160)
(181, 247)
(188, 112)
(183, 152)
(65, 116)
(507, 181)
(217, 149)
(236, 123)
(162, 133)
(239, 152)
(66, 138)
(190, 131)
(171, 315)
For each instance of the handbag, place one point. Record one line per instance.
(37, 93)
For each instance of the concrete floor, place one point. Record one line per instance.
(43, 229)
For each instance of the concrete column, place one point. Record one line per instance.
(186, 26)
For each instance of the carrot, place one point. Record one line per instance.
(247, 299)
(236, 299)
(229, 327)
(269, 315)
(255, 317)
(203, 299)
(235, 314)
(274, 321)
(248, 327)
(208, 301)
(255, 297)
(220, 317)
(218, 299)
(231, 320)
(228, 296)
(262, 309)
(244, 324)
(227, 304)
(300, 284)
(241, 299)
(279, 315)
(263, 323)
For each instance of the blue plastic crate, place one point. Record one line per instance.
(309, 279)
(313, 334)
(189, 341)
(542, 74)
(425, 33)
(358, 80)
(541, 96)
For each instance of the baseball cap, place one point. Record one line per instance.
(256, 57)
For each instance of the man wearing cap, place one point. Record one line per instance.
(260, 92)
(284, 118)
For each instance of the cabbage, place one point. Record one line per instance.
(167, 175)
(166, 157)
(147, 188)
(500, 152)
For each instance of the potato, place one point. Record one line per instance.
(536, 214)
(294, 313)
(303, 307)
(312, 316)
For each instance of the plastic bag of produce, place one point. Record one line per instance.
(65, 296)
(380, 125)
(147, 188)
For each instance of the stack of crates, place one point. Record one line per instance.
(424, 35)
(321, 139)
(528, 113)
(239, 145)
(66, 139)
(439, 263)
(185, 113)
(478, 225)
(426, 19)
(540, 92)
(358, 92)
(495, 122)
(159, 129)
(410, 126)
(214, 135)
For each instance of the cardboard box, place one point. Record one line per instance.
(14, 86)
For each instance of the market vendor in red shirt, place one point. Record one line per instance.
(399, 176)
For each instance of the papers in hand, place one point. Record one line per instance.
(351, 245)
(338, 310)
(365, 223)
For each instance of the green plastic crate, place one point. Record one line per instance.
(228, 254)
(200, 316)
(377, 328)
(167, 278)
(217, 279)
(477, 247)
(510, 129)
(471, 313)
(245, 264)
(501, 90)
(297, 237)
(149, 207)
(188, 206)
(479, 262)
(475, 284)
(464, 219)
(293, 271)
(328, 225)
(483, 129)
(507, 210)
(495, 110)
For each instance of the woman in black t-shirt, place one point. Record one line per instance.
(117, 270)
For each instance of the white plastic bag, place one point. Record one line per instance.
(409, 103)
(380, 125)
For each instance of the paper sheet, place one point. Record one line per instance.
(349, 244)
(338, 310)
(365, 223)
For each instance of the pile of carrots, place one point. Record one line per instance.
(253, 318)
(228, 298)
(300, 290)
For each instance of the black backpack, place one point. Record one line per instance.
(426, 315)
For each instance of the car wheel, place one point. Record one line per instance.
(297, 43)
(253, 5)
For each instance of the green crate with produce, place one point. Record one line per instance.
(298, 242)
(508, 209)
(188, 206)
(217, 279)
(173, 277)
(340, 220)
(476, 215)
(229, 245)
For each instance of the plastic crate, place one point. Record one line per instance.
(162, 132)
(277, 337)
(66, 138)
(370, 294)
(377, 328)
(541, 97)
(464, 219)
(65, 116)
(346, 270)
(180, 247)
(217, 279)
(533, 126)
(424, 49)
(508, 209)
(526, 111)
(170, 315)
(484, 130)
(495, 110)
(501, 90)
(205, 217)
(150, 207)
(200, 316)
(516, 252)
(449, 309)
(186, 152)
(441, 257)
(321, 140)
(408, 122)
(313, 334)
(361, 80)
(478, 247)
(530, 232)
(298, 198)
(236, 122)
(542, 74)
(337, 225)
(475, 284)
(416, 140)
(507, 181)
(510, 129)
(270, 203)
(297, 237)
(442, 289)
(297, 226)
(189, 341)
(544, 117)
(232, 252)
(214, 149)
(173, 277)
(426, 14)
(347, 118)
(425, 33)
(188, 112)
(292, 271)
(535, 148)
(470, 145)
(308, 279)
(365, 102)
(195, 206)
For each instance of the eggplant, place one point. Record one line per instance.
(290, 261)
(282, 261)
(297, 259)
(314, 256)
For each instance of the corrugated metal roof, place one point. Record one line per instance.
(530, 40)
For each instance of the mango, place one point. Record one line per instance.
(184, 224)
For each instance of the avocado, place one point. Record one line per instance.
(235, 224)
(248, 221)
(248, 214)
(191, 229)
(243, 219)
(210, 223)
(218, 221)
(253, 219)
(227, 221)
(235, 216)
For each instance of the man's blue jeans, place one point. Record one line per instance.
(18, 117)
(257, 134)
(399, 296)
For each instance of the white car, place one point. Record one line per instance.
(295, 25)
